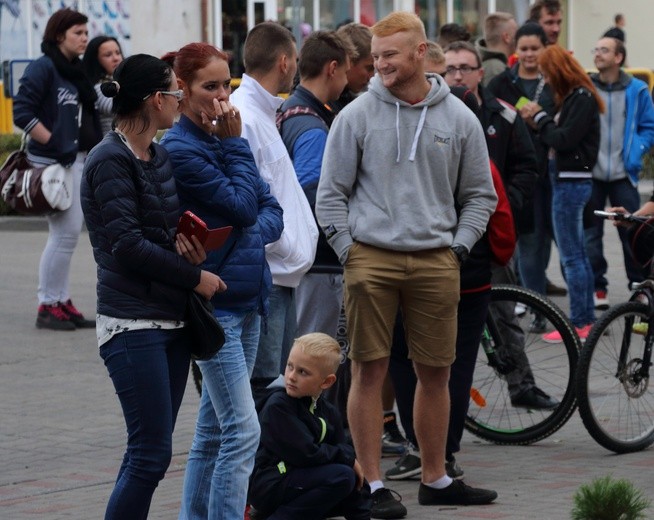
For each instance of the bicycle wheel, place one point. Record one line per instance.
(551, 368)
(615, 401)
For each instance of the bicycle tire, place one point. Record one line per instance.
(618, 414)
(553, 368)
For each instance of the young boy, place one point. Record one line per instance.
(304, 467)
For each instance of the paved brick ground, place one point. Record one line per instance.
(62, 433)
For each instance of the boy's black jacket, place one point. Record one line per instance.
(295, 434)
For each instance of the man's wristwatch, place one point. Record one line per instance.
(461, 253)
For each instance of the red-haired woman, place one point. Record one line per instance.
(217, 179)
(573, 138)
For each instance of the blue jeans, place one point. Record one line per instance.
(149, 369)
(227, 431)
(568, 201)
(533, 252)
(619, 193)
(277, 335)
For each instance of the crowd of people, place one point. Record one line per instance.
(373, 189)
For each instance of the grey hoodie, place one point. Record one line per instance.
(390, 171)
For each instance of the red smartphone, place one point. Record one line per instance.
(190, 224)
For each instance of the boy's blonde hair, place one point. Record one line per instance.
(323, 347)
(400, 21)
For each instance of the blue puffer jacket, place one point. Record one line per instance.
(218, 181)
(131, 211)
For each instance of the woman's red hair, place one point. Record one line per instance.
(191, 58)
(564, 74)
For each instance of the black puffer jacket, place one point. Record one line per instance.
(131, 211)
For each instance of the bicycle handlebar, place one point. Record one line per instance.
(626, 217)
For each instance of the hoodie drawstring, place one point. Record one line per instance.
(421, 123)
(397, 130)
(414, 145)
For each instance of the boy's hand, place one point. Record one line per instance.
(358, 471)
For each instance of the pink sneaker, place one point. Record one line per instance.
(552, 337)
(583, 332)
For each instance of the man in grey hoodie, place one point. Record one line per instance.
(405, 192)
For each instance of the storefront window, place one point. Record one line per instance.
(519, 9)
(470, 14)
(433, 14)
(334, 13)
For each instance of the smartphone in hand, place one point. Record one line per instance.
(190, 224)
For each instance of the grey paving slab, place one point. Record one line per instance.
(62, 433)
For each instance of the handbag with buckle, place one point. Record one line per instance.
(35, 190)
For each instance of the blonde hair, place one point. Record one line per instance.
(434, 53)
(399, 21)
(323, 347)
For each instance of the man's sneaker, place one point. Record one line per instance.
(456, 494)
(538, 325)
(392, 430)
(535, 399)
(453, 470)
(520, 309)
(393, 442)
(53, 317)
(408, 466)
(555, 290)
(76, 316)
(386, 505)
(601, 299)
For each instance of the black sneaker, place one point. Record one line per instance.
(538, 324)
(392, 430)
(453, 470)
(456, 494)
(535, 399)
(555, 290)
(406, 467)
(386, 505)
(53, 317)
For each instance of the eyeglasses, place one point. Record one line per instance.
(178, 94)
(463, 69)
(600, 50)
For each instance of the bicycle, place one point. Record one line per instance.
(616, 403)
(517, 318)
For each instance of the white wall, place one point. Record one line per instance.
(159, 26)
(590, 18)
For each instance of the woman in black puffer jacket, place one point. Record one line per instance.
(145, 274)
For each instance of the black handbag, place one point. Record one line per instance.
(207, 335)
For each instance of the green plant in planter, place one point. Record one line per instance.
(608, 499)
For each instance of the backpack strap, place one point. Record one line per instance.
(293, 112)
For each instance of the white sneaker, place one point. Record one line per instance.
(520, 309)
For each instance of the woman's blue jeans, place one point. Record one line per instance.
(227, 431)
(149, 369)
(568, 201)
